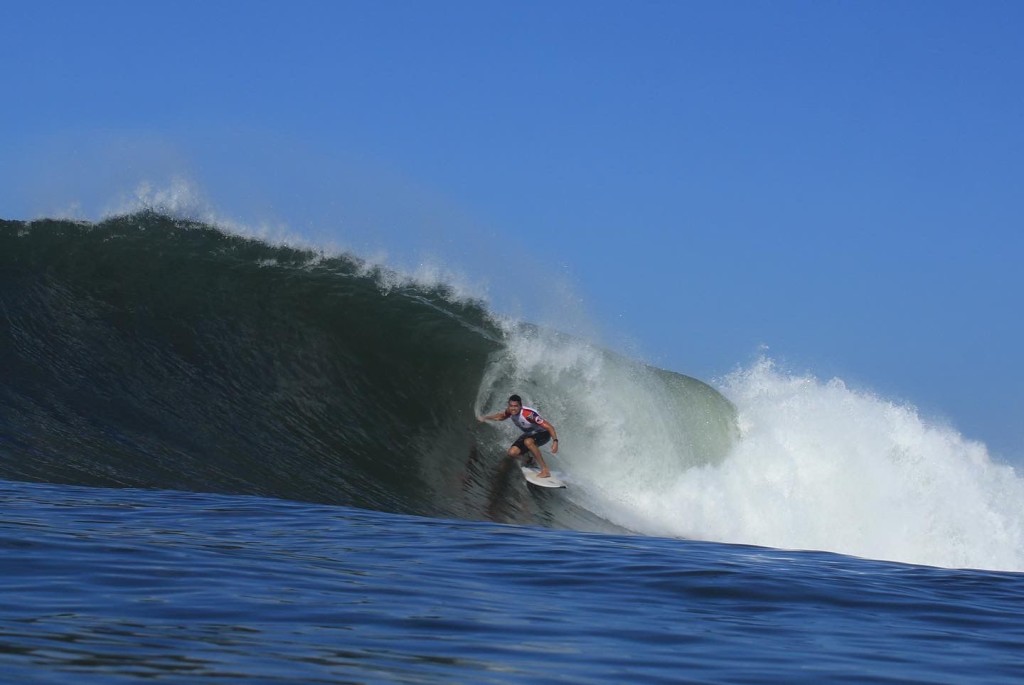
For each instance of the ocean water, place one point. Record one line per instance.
(123, 585)
(225, 460)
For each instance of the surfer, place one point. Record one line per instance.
(536, 431)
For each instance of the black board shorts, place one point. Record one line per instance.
(540, 437)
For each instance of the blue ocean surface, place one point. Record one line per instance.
(123, 585)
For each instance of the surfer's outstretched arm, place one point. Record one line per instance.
(497, 416)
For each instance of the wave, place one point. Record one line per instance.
(150, 351)
(155, 352)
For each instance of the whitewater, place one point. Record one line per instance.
(802, 464)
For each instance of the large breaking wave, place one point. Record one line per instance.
(150, 351)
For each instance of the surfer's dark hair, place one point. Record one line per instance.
(515, 398)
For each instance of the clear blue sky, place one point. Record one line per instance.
(842, 182)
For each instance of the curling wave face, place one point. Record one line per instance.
(148, 351)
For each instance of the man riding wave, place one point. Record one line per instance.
(537, 432)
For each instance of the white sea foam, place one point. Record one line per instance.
(812, 464)
(821, 466)
(627, 428)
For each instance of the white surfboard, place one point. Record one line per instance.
(530, 474)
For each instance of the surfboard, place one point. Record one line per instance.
(530, 474)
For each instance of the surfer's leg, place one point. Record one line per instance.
(531, 445)
(518, 447)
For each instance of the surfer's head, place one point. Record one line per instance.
(515, 404)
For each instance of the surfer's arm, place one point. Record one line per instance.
(497, 416)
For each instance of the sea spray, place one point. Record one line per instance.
(625, 427)
(821, 466)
